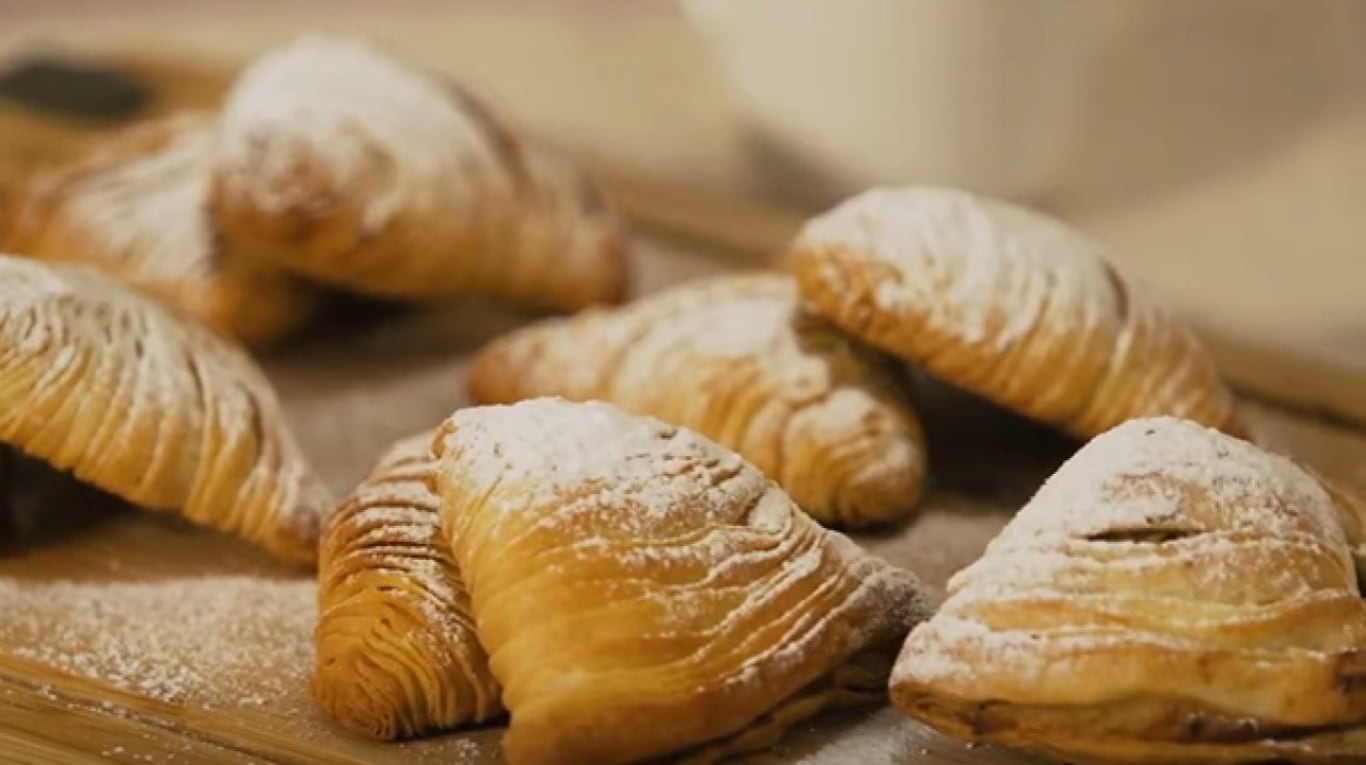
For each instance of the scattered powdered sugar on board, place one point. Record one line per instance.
(208, 641)
(468, 749)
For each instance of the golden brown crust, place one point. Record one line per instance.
(346, 165)
(734, 359)
(860, 682)
(157, 410)
(640, 589)
(1006, 303)
(1171, 594)
(1351, 505)
(1174, 733)
(134, 206)
(398, 654)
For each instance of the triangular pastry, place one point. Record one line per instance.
(736, 360)
(109, 385)
(351, 167)
(1171, 594)
(643, 591)
(134, 205)
(1008, 303)
(397, 650)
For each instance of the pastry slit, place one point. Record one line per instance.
(1138, 535)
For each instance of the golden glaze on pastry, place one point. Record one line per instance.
(349, 166)
(159, 411)
(397, 649)
(134, 206)
(1171, 594)
(1007, 303)
(643, 591)
(734, 359)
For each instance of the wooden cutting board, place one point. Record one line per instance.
(134, 638)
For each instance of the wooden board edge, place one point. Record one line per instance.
(163, 725)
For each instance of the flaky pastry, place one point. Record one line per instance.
(1171, 594)
(348, 166)
(134, 206)
(1008, 303)
(734, 359)
(397, 650)
(109, 385)
(643, 591)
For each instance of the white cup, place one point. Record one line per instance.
(843, 94)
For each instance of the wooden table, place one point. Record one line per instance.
(136, 639)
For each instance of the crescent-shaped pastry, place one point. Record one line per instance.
(1005, 302)
(1171, 594)
(109, 385)
(734, 359)
(642, 590)
(348, 166)
(134, 206)
(397, 650)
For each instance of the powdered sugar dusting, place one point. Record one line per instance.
(209, 641)
(1161, 534)
(151, 208)
(393, 521)
(22, 291)
(345, 104)
(134, 205)
(724, 317)
(692, 330)
(161, 386)
(716, 324)
(670, 477)
(981, 270)
(1164, 473)
(398, 183)
(705, 554)
(1227, 501)
(735, 359)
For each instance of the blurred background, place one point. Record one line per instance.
(1218, 145)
